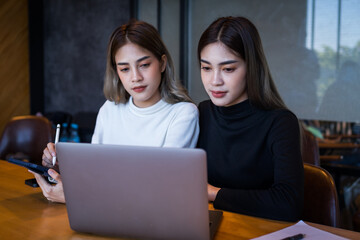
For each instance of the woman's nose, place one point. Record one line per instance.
(217, 79)
(136, 75)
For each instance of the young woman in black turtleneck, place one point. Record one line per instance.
(252, 140)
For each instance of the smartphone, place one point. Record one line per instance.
(32, 182)
(31, 166)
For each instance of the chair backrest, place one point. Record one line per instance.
(26, 136)
(310, 149)
(59, 117)
(320, 197)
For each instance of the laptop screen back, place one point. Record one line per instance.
(131, 191)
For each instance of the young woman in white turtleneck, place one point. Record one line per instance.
(146, 105)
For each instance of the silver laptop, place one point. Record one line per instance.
(137, 192)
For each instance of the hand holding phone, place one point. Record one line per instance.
(31, 166)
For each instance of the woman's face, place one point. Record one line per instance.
(140, 73)
(223, 75)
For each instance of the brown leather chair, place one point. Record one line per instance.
(310, 149)
(320, 197)
(25, 137)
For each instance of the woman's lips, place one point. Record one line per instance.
(218, 94)
(139, 89)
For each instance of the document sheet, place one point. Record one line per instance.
(308, 231)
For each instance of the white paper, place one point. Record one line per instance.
(300, 227)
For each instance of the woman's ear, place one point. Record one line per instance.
(163, 62)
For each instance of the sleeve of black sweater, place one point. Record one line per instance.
(284, 199)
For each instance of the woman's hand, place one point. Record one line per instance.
(53, 193)
(212, 192)
(48, 153)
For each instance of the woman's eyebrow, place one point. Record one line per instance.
(204, 61)
(143, 58)
(228, 62)
(139, 60)
(222, 63)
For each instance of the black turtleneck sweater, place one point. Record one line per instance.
(254, 157)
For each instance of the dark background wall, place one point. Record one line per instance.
(75, 37)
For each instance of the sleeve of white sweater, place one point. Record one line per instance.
(96, 137)
(184, 129)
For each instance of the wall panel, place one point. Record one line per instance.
(14, 60)
(76, 35)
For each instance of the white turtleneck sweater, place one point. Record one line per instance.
(160, 125)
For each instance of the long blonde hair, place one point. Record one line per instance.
(146, 36)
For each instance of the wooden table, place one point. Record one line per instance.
(342, 136)
(26, 214)
(339, 145)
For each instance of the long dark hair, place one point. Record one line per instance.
(242, 38)
(146, 36)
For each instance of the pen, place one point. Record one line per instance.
(56, 140)
(295, 237)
